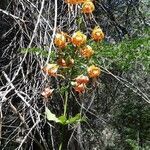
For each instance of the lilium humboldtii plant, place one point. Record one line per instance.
(70, 62)
(72, 54)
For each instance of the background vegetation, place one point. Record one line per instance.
(116, 112)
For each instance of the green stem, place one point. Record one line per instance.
(63, 134)
(65, 104)
(60, 146)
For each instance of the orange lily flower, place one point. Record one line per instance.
(47, 92)
(87, 51)
(93, 71)
(80, 88)
(51, 69)
(82, 79)
(97, 34)
(88, 7)
(60, 40)
(78, 38)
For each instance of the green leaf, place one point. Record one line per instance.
(74, 119)
(64, 89)
(50, 116)
(62, 119)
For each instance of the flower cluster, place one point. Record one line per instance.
(72, 48)
(87, 5)
(81, 80)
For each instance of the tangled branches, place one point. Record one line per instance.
(34, 23)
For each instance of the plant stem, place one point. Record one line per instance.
(65, 104)
(65, 114)
(60, 146)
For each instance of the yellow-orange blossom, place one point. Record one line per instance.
(51, 69)
(93, 71)
(81, 79)
(86, 51)
(88, 7)
(60, 40)
(97, 34)
(78, 38)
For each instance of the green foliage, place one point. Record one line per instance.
(133, 144)
(74, 119)
(39, 51)
(125, 54)
(63, 119)
(132, 119)
(50, 116)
